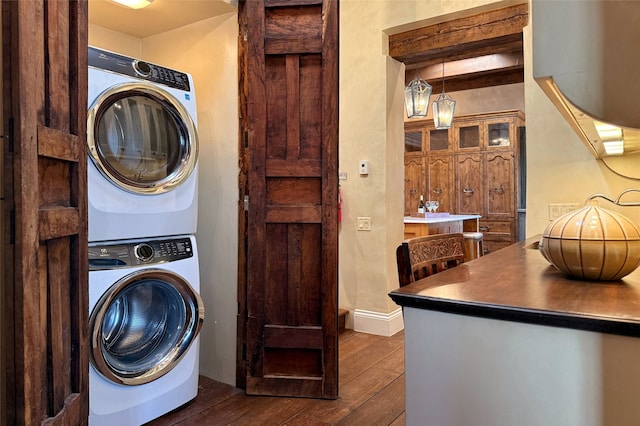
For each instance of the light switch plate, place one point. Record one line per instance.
(364, 224)
(557, 210)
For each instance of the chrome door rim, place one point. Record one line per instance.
(188, 163)
(194, 313)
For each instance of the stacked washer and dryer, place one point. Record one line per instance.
(145, 311)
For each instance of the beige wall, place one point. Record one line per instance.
(207, 50)
(371, 128)
(559, 167)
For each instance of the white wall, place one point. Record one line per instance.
(487, 372)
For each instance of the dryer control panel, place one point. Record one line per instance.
(147, 252)
(120, 64)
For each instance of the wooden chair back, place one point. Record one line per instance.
(424, 256)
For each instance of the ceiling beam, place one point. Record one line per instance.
(486, 64)
(472, 73)
(496, 31)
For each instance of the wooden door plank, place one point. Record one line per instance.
(58, 222)
(57, 70)
(329, 261)
(45, 46)
(60, 145)
(292, 185)
(27, 95)
(293, 106)
(59, 322)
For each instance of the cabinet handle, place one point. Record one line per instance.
(437, 191)
(484, 228)
(499, 190)
(468, 191)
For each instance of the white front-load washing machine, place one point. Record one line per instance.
(143, 147)
(145, 313)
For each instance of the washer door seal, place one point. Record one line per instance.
(143, 325)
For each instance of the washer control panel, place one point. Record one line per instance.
(147, 252)
(124, 65)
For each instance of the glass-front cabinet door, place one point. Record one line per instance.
(413, 141)
(438, 140)
(467, 136)
(499, 133)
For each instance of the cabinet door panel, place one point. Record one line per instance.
(469, 183)
(413, 183)
(500, 177)
(468, 136)
(440, 181)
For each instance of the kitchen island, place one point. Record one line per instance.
(439, 223)
(507, 339)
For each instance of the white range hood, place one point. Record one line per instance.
(586, 57)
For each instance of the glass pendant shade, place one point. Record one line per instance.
(416, 98)
(443, 109)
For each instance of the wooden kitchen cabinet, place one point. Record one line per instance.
(499, 169)
(440, 178)
(472, 168)
(469, 189)
(414, 183)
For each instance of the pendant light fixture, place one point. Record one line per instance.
(443, 108)
(416, 97)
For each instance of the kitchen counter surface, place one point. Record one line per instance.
(518, 284)
(440, 218)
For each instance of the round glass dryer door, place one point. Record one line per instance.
(143, 325)
(142, 138)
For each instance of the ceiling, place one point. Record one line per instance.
(160, 16)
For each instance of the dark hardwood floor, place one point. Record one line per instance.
(371, 392)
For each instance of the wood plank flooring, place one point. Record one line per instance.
(371, 392)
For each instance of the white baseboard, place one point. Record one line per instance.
(382, 324)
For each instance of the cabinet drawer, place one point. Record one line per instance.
(496, 227)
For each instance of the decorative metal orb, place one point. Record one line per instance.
(593, 244)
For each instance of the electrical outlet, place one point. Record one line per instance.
(557, 210)
(364, 224)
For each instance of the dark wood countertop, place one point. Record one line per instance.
(518, 284)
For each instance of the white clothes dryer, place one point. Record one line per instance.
(145, 314)
(143, 148)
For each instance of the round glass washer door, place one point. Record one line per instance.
(141, 138)
(143, 325)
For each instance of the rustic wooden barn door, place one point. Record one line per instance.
(291, 71)
(44, 211)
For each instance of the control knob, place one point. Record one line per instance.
(144, 252)
(142, 68)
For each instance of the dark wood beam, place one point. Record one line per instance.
(476, 81)
(496, 31)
